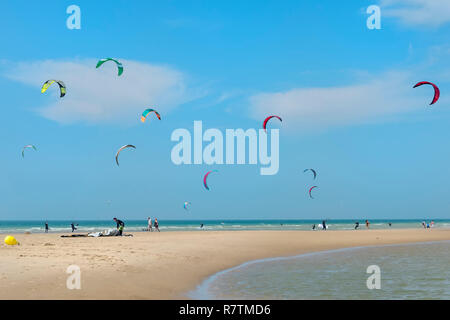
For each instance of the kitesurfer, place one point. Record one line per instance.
(120, 225)
(149, 226)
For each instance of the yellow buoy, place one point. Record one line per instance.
(10, 240)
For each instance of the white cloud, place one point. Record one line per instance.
(307, 108)
(432, 13)
(99, 95)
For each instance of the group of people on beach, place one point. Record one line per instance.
(119, 224)
(324, 226)
(427, 225)
(72, 225)
(155, 224)
(367, 224)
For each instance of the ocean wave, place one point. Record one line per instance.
(132, 226)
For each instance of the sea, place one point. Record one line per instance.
(83, 226)
(391, 272)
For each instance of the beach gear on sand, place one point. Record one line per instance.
(105, 233)
(10, 241)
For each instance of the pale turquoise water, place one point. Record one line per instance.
(413, 271)
(194, 225)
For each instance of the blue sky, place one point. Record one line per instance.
(344, 93)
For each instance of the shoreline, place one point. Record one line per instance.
(166, 265)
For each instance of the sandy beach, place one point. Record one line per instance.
(163, 265)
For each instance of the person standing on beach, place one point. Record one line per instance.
(46, 227)
(356, 225)
(149, 227)
(156, 225)
(72, 225)
(324, 225)
(120, 225)
(367, 224)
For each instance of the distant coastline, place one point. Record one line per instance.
(85, 226)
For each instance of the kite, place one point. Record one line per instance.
(313, 171)
(186, 203)
(27, 146)
(206, 177)
(267, 119)
(120, 150)
(310, 191)
(119, 65)
(437, 93)
(146, 112)
(48, 83)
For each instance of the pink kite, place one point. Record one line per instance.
(267, 119)
(437, 93)
(310, 191)
(206, 177)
